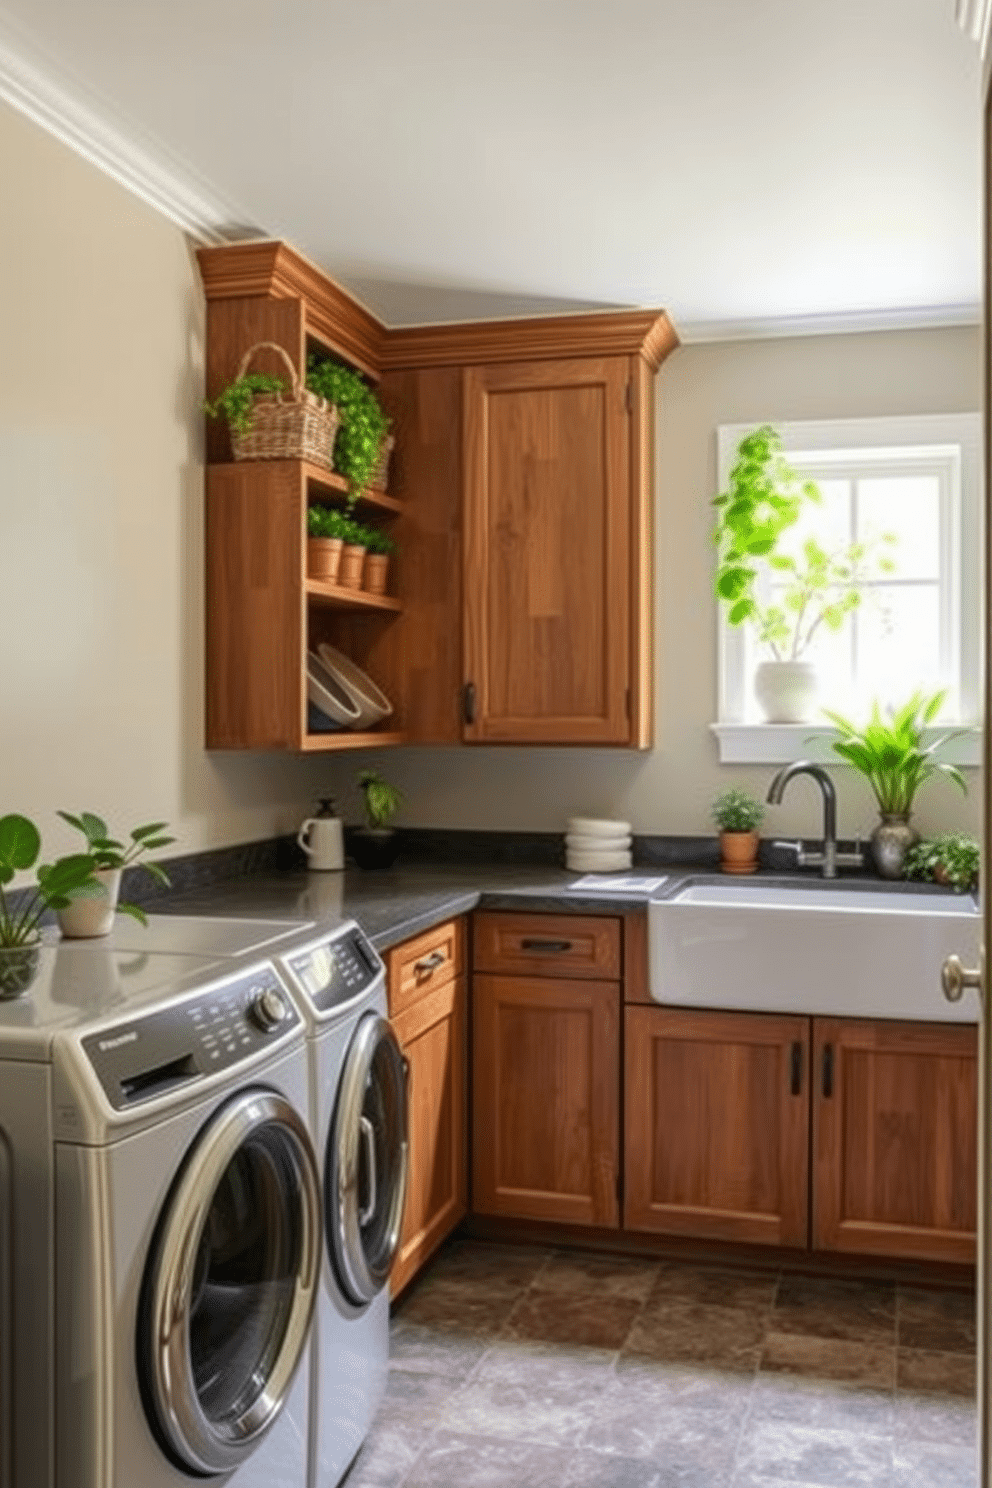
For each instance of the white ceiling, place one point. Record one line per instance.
(752, 165)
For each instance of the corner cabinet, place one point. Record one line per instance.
(521, 505)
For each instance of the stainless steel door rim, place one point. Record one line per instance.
(263, 1121)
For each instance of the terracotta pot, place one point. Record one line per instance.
(376, 571)
(739, 852)
(352, 565)
(85, 918)
(324, 558)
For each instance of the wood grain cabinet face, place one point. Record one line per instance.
(547, 560)
(895, 1138)
(716, 1125)
(546, 1096)
(547, 945)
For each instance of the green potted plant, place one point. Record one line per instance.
(738, 815)
(379, 546)
(352, 568)
(236, 402)
(364, 426)
(764, 499)
(952, 859)
(376, 844)
(889, 752)
(267, 422)
(67, 880)
(326, 530)
(88, 916)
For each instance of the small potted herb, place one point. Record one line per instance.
(379, 546)
(326, 530)
(952, 859)
(87, 917)
(738, 815)
(363, 428)
(352, 566)
(67, 880)
(377, 844)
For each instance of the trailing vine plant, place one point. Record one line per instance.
(363, 424)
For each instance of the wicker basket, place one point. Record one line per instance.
(293, 426)
(380, 475)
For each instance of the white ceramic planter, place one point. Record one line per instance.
(85, 918)
(786, 690)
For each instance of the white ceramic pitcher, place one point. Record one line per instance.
(322, 839)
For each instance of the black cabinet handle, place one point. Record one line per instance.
(553, 947)
(828, 1071)
(797, 1068)
(468, 702)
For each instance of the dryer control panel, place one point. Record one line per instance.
(337, 969)
(200, 1034)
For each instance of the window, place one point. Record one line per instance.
(914, 480)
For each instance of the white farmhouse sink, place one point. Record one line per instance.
(848, 952)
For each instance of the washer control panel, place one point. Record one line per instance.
(156, 1052)
(336, 970)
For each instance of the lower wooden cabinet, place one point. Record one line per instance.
(546, 1098)
(432, 1035)
(716, 1125)
(895, 1114)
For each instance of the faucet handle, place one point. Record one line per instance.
(796, 847)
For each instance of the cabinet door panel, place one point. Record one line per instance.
(547, 551)
(432, 1035)
(895, 1138)
(717, 1124)
(546, 1095)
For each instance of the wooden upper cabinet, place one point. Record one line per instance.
(547, 552)
(895, 1118)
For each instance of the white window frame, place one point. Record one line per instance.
(956, 436)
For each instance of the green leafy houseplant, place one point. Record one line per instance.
(327, 522)
(377, 541)
(382, 800)
(363, 424)
(765, 497)
(377, 844)
(890, 752)
(107, 854)
(736, 811)
(58, 883)
(236, 402)
(952, 858)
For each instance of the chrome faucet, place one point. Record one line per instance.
(829, 859)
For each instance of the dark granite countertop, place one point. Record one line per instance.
(392, 905)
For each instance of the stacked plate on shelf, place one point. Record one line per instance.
(593, 845)
(340, 694)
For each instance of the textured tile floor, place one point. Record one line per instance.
(560, 1369)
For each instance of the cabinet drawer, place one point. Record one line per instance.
(547, 945)
(427, 961)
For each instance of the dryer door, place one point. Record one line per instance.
(366, 1161)
(230, 1285)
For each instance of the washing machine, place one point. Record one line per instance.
(160, 1239)
(358, 1115)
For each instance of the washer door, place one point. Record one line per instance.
(366, 1161)
(230, 1286)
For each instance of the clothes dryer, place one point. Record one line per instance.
(358, 1113)
(163, 1223)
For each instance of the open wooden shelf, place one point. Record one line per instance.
(327, 480)
(315, 743)
(339, 598)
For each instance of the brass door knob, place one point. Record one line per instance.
(955, 977)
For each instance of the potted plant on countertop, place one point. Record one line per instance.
(89, 916)
(326, 531)
(738, 815)
(378, 548)
(364, 426)
(765, 498)
(377, 844)
(891, 756)
(952, 859)
(67, 880)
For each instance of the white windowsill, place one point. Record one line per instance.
(780, 743)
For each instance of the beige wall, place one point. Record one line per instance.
(101, 335)
(101, 496)
(669, 789)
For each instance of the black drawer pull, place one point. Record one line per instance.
(828, 1071)
(468, 702)
(797, 1068)
(552, 947)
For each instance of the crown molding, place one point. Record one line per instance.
(925, 317)
(33, 90)
(975, 18)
